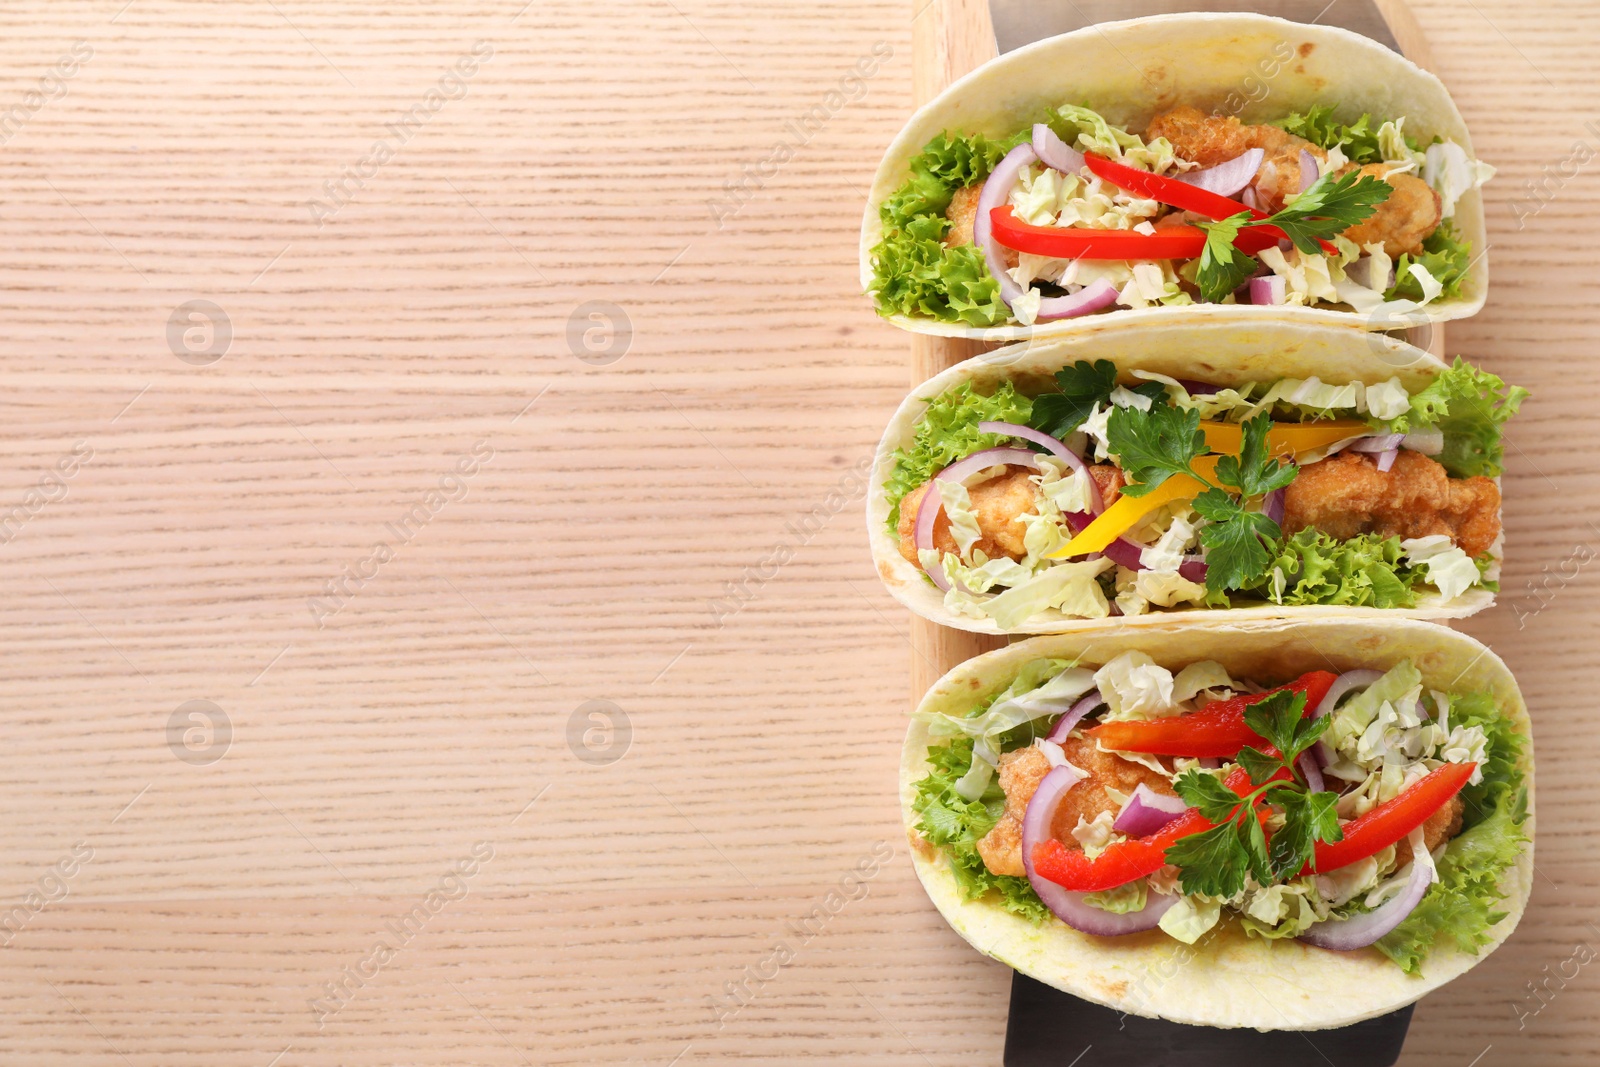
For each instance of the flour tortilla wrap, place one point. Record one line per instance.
(1130, 71)
(1226, 979)
(1223, 353)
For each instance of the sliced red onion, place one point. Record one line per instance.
(1341, 685)
(1193, 568)
(1211, 763)
(996, 189)
(1428, 442)
(1092, 297)
(1377, 443)
(931, 504)
(1147, 811)
(1124, 553)
(1310, 170)
(1053, 152)
(1194, 388)
(1224, 179)
(1272, 506)
(1359, 931)
(1271, 289)
(1091, 700)
(1068, 906)
(1312, 770)
(1386, 459)
(1250, 199)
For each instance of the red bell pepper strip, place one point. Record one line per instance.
(1167, 190)
(1392, 820)
(1076, 242)
(1218, 729)
(1185, 196)
(1123, 861)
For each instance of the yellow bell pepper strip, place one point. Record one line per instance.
(1284, 439)
(1122, 516)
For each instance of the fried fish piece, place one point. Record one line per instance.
(1023, 769)
(962, 210)
(1212, 139)
(998, 504)
(1403, 221)
(1441, 826)
(1346, 495)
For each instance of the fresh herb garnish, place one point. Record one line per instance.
(1332, 204)
(1152, 446)
(1215, 862)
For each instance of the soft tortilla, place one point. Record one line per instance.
(1228, 979)
(1129, 71)
(1226, 353)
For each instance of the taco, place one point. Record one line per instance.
(1273, 825)
(1203, 165)
(1136, 471)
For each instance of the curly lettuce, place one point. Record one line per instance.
(948, 431)
(1466, 901)
(1469, 406)
(955, 825)
(913, 272)
(1362, 571)
(1445, 256)
(1361, 141)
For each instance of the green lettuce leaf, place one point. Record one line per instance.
(1502, 775)
(956, 825)
(1445, 255)
(1358, 140)
(1470, 406)
(1466, 901)
(913, 273)
(1363, 571)
(948, 431)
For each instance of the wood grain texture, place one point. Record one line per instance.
(677, 532)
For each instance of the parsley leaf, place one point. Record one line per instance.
(1205, 791)
(1276, 718)
(1308, 818)
(1213, 862)
(1260, 765)
(1222, 267)
(1333, 204)
(1151, 446)
(1253, 472)
(1235, 554)
(1082, 385)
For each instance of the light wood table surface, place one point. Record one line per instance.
(417, 516)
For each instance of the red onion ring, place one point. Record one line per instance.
(1312, 770)
(1053, 152)
(996, 189)
(1147, 811)
(1226, 179)
(1194, 388)
(1272, 506)
(1066, 905)
(1092, 297)
(1054, 447)
(1194, 568)
(1091, 700)
(1330, 700)
(1249, 198)
(1310, 170)
(1271, 289)
(931, 504)
(1359, 931)
(1386, 459)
